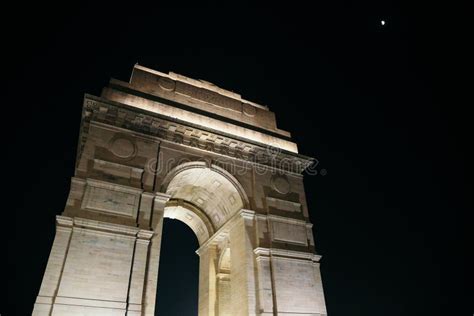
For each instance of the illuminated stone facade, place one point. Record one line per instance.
(167, 146)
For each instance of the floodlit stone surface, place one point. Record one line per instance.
(168, 146)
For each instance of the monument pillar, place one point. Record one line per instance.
(207, 279)
(137, 279)
(265, 286)
(95, 268)
(151, 276)
(52, 275)
(242, 275)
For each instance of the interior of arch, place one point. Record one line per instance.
(190, 217)
(209, 191)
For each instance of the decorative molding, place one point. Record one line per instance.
(282, 219)
(145, 234)
(161, 198)
(280, 184)
(96, 109)
(118, 170)
(283, 205)
(291, 254)
(95, 225)
(122, 146)
(61, 300)
(104, 226)
(247, 214)
(262, 253)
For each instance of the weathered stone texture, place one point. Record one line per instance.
(168, 146)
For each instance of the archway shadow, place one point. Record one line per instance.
(178, 279)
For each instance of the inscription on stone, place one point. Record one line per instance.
(111, 201)
(210, 97)
(289, 232)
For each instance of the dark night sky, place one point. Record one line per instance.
(377, 106)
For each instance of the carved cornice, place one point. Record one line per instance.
(286, 254)
(187, 134)
(99, 226)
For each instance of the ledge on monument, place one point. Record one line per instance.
(200, 83)
(200, 95)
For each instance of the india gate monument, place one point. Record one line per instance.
(168, 146)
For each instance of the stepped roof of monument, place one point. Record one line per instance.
(201, 84)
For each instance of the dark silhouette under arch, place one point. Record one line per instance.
(178, 295)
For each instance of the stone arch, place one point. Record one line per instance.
(192, 216)
(208, 191)
(206, 197)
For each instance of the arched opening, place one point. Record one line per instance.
(178, 279)
(204, 197)
(192, 216)
(208, 188)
